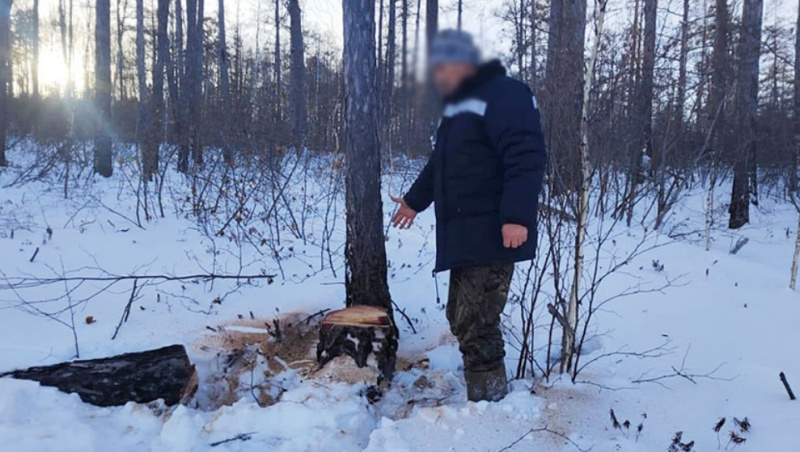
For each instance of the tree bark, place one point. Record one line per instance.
(157, 96)
(365, 251)
(793, 176)
(366, 285)
(147, 142)
(277, 69)
(103, 161)
(35, 37)
(648, 72)
(192, 89)
(746, 108)
(224, 86)
(565, 71)
(140, 377)
(5, 76)
(569, 353)
(298, 77)
(431, 28)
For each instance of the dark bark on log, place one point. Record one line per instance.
(139, 377)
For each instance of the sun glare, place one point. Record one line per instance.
(54, 73)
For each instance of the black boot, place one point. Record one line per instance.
(489, 385)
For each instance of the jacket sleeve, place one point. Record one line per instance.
(420, 195)
(514, 126)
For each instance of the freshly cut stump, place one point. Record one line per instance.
(359, 332)
(139, 377)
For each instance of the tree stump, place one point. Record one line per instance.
(139, 377)
(358, 332)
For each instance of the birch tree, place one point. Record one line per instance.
(568, 339)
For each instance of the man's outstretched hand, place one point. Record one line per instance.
(405, 215)
(514, 235)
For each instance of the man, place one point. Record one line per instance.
(484, 175)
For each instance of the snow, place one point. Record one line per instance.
(727, 323)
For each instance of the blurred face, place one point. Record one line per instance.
(447, 77)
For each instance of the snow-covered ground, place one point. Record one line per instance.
(709, 346)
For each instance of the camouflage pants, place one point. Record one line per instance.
(476, 300)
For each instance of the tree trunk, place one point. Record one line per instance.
(140, 377)
(366, 282)
(648, 72)
(157, 112)
(793, 176)
(680, 104)
(569, 353)
(278, 75)
(35, 44)
(103, 161)
(533, 33)
(192, 87)
(460, 12)
(224, 86)
(144, 129)
(5, 77)
(298, 76)
(365, 251)
(120, 66)
(387, 109)
(749, 52)
(565, 71)
(431, 28)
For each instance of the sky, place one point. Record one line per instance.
(255, 18)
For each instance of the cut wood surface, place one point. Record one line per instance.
(141, 377)
(359, 316)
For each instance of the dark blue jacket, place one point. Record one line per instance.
(486, 170)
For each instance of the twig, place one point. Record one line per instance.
(405, 316)
(21, 283)
(35, 253)
(239, 437)
(546, 430)
(786, 385)
(308, 319)
(127, 311)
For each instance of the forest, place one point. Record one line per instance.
(222, 173)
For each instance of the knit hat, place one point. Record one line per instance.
(454, 46)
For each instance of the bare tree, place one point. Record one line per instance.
(192, 88)
(148, 145)
(365, 252)
(103, 161)
(749, 52)
(35, 62)
(157, 113)
(5, 76)
(277, 69)
(565, 70)
(298, 90)
(224, 83)
(569, 334)
(431, 28)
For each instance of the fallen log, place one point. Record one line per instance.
(141, 377)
